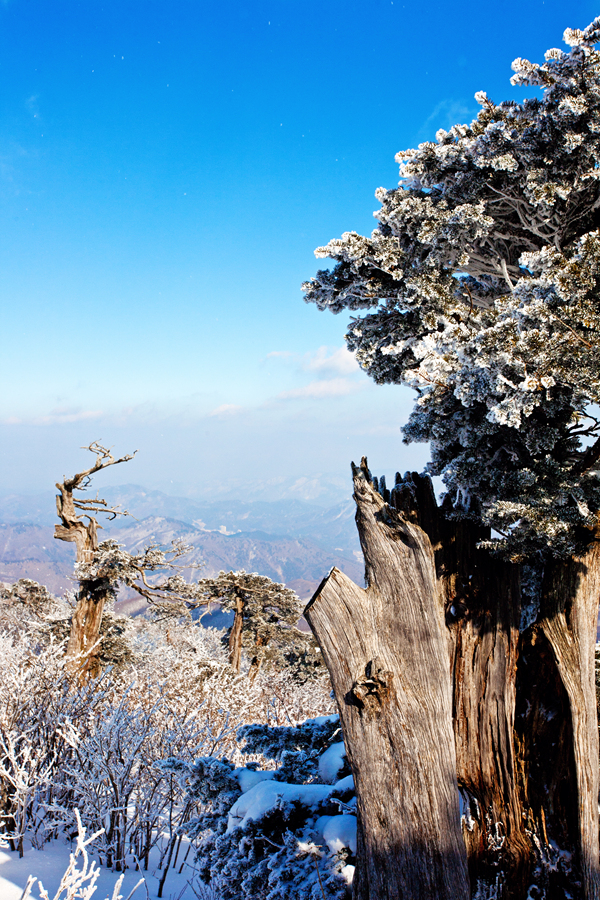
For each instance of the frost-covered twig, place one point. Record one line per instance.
(78, 883)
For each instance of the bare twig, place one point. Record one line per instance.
(572, 330)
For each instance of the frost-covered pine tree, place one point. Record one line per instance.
(265, 621)
(480, 290)
(275, 834)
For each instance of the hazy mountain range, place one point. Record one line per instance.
(289, 540)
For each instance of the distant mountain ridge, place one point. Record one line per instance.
(318, 491)
(30, 551)
(288, 540)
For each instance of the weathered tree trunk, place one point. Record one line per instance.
(523, 707)
(482, 604)
(257, 660)
(235, 637)
(570, 617)
(386, 649)
(482, 597)
(559, 727)
(82, 646)
(483, 619)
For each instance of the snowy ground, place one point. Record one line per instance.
(49, 864)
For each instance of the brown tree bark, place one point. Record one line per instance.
(558, 727)
(83, 643)
(83, 646)
(523, 706)
(257, 660)
(482, 599)
(569, 622)
(483, 619)
(482, 596)
(528, 785)
(386, 649)
(235, 636)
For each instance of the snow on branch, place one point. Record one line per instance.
(79, 880)
(480, 290)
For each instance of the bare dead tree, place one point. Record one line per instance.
(79, 525)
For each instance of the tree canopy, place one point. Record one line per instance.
(480, 290)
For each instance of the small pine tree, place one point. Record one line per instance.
(265, 622)
(274, 834)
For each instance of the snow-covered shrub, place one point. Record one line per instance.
(299, 750)
(37, 703)
(26, 771)
(276, 833)
(29, 605)
(97, 746)
(113, 775)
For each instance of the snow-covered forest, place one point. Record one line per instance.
(186, 772)
(209, 763)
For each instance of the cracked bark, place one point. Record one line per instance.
(386, 649)
(557, 726)
(83, 644)
(523, 707)
(569, 622)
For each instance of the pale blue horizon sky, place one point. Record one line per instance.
(166, 172)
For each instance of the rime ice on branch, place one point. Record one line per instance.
(480, 287)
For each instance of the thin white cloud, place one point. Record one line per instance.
(56, 417)
(340, 361)
(445, 114)
(326, 361)
(281, 354)
(316, 390)
(226, 409)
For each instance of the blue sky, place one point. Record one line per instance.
(166, 171)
